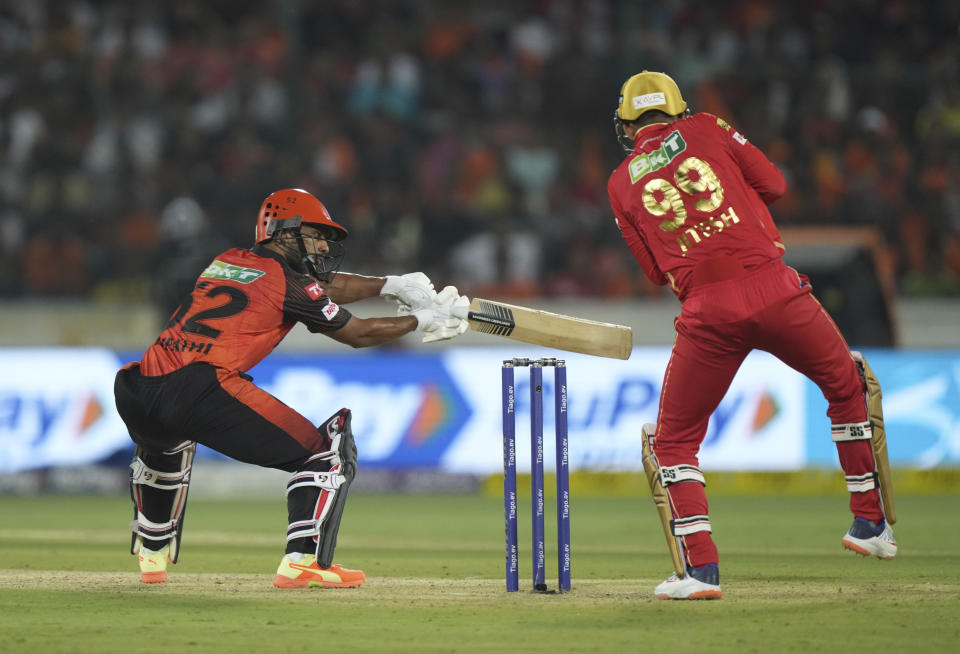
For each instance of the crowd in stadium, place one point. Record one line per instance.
(471, 140)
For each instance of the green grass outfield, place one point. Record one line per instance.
(435, 580)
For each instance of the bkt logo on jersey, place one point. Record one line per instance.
(221, 270)
(642, 164)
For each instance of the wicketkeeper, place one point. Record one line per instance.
(691, 202)
(191, 385)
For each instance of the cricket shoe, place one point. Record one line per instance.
(870, 539)
(698, 583)
(153, 565)
(302, 571)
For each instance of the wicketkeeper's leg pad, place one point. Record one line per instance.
(316, 495)
(159, 484)
(660, 499)
(878, 437)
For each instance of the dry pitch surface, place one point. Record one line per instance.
(470, 591)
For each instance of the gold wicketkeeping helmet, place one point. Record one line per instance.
(647, 91)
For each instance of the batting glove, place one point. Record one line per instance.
(413, 291)
(439, 323)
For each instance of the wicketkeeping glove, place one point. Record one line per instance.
(413, 291)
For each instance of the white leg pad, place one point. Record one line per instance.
(144, 479)
(328, 483)
(861, 483)
(851, 431)
(670, 475)
(690, 525)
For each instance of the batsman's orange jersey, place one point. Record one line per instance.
(242, 306)
(694, 192)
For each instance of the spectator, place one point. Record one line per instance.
(429, 118)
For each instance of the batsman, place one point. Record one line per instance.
(690, 200)
(192, 386)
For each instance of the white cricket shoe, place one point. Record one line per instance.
(698, 583)
(871, 539)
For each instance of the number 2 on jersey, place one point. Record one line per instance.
(673, 201)
(194, 324)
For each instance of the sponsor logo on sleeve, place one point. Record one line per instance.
(314, 291)
(330, 310)
(737, 136)
(221, 270)
(648, 100)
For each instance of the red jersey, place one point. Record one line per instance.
(695, 191)
(242, 306)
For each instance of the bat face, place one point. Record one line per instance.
(549, 329)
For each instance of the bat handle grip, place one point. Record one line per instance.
(460, 312)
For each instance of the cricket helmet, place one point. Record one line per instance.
(286, 211)
(647, 91)
(291, 207)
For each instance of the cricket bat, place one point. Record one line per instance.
(554, 330)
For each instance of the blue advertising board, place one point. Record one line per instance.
(441, 411)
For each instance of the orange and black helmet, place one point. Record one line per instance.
(285, 211)
(291, 207)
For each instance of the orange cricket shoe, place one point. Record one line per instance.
(153, 565)
(302, 571)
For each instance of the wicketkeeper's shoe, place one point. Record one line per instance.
(698, 583)
(153, 565)
(871, 539)
(302, 571)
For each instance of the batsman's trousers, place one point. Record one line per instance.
(222, 409)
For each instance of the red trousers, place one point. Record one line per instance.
(772, 309)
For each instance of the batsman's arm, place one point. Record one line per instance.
(433, 322)
(368, 332)
(345, 288)
(414, 290)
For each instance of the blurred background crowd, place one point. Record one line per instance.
(471, 140)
